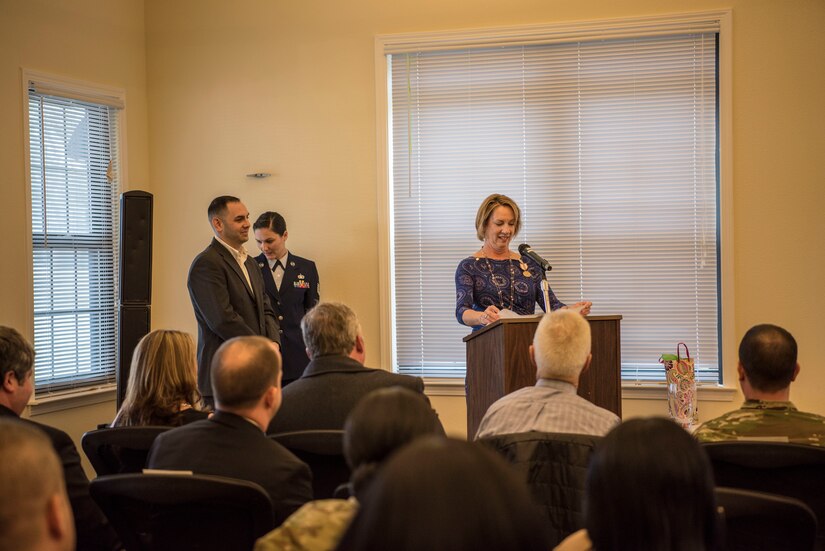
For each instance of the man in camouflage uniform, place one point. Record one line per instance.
(767, 366)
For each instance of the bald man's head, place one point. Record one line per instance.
(243, 370)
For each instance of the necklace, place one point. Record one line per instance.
(512, 280)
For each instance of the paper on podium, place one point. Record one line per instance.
(508, 314)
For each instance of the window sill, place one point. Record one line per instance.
(71, 399)
(643, 391)
(658, 391)
(435, 386)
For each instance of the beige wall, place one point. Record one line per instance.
(288, 88)
(99, 41)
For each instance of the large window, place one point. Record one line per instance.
(73, 160)
(609, 143)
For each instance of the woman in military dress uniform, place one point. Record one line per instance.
(292, 285)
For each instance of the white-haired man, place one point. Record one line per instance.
(560, 352)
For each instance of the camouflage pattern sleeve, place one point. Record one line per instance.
(317, 526)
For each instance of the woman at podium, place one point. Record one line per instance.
(495, 278)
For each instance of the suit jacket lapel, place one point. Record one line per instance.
(255, 272)
(233, 264)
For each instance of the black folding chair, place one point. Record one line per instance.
(323, 451)
(755, 521)
(119, 450)
(159, 512)
(790, 470)
(554, 465)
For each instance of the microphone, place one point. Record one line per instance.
(526, 250)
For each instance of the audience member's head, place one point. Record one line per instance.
(162, 380)
(650, 486)
(440, 494)
(16, 370)
(246, 377)
(331, 328)
(383, 421)
(34, 509)
(767, 355)
(561, 346)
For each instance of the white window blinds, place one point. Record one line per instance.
(74, 188)
(610, 149)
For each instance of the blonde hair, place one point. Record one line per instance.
(161, 380)
(561, 345)
(486, 209)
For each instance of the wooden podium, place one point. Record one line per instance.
(498, 362)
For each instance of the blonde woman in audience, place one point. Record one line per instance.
(383, 421)
(162, 388)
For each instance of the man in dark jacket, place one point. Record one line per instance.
(17, 380)
(227, 289)
(246, 378)
(335, 379)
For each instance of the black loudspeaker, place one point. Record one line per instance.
(134, 308)
(133, 325)
(136, 247)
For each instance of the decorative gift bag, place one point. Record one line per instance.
(681, 386)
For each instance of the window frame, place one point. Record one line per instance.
(550, 33)
(51, 84)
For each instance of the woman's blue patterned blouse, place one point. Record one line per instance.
(476, 288)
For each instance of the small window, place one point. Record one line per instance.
(74, 172)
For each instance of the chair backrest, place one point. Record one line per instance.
(790, 470)
(555, 467)
(156, 512)
(323, 451)
(119, 450)
(757, 520)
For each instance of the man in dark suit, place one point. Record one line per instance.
(17, 380)
(246, 377)
(227, 289)
(335, 379)
(292, 285)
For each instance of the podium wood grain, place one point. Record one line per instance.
(498, 362)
